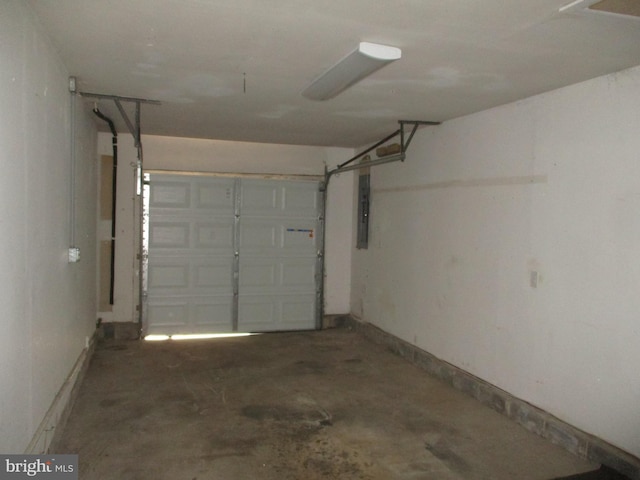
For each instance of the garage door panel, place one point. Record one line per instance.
(288, 211)
(256, 314)
(214, 235)
(168, 313)
(183, 275)
(263, 313)
(261, 273)
(259, 198)
(190, 315)
(197, 224)
(169, 235)
(215, 195)
(190, 254)
(190, 234)
(191, 195)
(264, 198)
(298, 274)
(258, 235)
(298, 311)
(213, 315)
(216, 276)
(277, 275)
(300, 199)
(171, 194)
(300, 237)
(173, 276)
(278, 236)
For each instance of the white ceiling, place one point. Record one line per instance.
(458, 57)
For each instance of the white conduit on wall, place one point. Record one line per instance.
(73, 251)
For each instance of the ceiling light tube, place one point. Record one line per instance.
(360, 63)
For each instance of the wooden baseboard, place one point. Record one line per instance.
(52, 425)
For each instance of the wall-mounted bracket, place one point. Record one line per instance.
(416, 124)
(404, 145)
(133, 129)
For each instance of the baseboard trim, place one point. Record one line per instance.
(52, 425)
(530, 417)
(335, 321)
(119, 330)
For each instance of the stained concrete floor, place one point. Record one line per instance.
(311, 405)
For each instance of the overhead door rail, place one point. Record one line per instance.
(404, 145)
(133, 129)
(405, 141)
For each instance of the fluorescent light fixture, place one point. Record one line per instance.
(360, 63)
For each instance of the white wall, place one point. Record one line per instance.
(198, 155)
(48, 305)
(550, 185)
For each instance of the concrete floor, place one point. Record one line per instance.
(311, 405)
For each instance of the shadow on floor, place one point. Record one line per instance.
(603, 473)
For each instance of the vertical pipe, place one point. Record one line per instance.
(114, 184)
(139, 188)
(72, 172)
(114, 191)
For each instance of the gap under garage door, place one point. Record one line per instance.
(228, 254)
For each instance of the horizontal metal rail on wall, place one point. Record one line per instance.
(371, 163)
(262, 176)
(404, 145)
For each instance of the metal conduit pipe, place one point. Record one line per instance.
(72, 172)
(114, 189)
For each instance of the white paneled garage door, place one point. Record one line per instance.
(231, 254)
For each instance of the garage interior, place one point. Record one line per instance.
(329, 404)
(428, 269)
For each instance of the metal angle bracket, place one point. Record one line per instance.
(416, 123)
(404, 145)
(133, 129)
